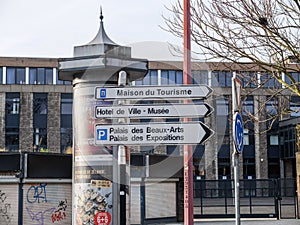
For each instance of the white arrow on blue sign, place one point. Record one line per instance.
(238, 132)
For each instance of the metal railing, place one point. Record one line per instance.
(271, 198)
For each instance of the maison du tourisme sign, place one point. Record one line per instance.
(152, 92)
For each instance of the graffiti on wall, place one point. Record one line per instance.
(38, 218)
(5, 207)
(60, 212)
(37, 193)
(43, 205)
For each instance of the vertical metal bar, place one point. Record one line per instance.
(201, 195)
(276, 197)
(142, 201)
(20, 197)
(250, 196)
(143, 188)
(116, 188)
(237, 190)
(122, 169)
(226, 203)
(188, 154)
(122, 181)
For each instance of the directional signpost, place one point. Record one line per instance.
(159, 110)
(238, 134)
(151, 134)
(153, 92)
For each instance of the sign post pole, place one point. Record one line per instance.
(238, 142)
(188, 153)
(123, 183)
(236, 189)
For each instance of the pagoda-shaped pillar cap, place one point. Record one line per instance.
(100, 60)
(102, 45)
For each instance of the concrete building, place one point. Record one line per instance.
(36, 115)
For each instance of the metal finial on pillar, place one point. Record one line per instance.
(101, 15)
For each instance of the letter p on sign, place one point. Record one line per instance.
(101, 134)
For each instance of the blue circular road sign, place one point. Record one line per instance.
(238, 133)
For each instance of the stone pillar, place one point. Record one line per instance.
(211, 147)
(2, 121)
(26, 122)
(53, 121)
(261, 146)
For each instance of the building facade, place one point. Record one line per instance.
(36, 115)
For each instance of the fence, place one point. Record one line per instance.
(272, 198)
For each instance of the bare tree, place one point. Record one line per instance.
(264, 33)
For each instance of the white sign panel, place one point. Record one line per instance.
(153, 92)
(151, 134)
(140, 111)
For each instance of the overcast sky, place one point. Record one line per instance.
(50, 28)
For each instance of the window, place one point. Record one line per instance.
(66, 104)
(273, 168)
(287, 142)
(62, 81)
(39, 139)
(66, 139)
(249, 136)
(248, 105)
(1, 75)
(268, 81)
(295, 106)
(290, 76)
(15, 75)
(12, 103)
(246, 137)
(200, 77)
(249, 168)
(169, 77)
(221, 78)
(66, 123)
(40, 108)
(12, 139)
(274, 140)
(271, 106)
(248, 78)
(151, 78)
(224, 170)
(222, 107)
(40, 103)
(12, 120)
(40, 75)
